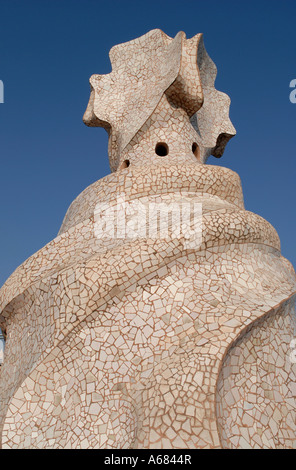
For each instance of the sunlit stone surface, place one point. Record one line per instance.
(149, 341)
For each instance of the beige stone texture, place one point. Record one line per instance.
(150, 341)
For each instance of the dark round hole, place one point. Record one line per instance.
(124, 164)
(161, 149)
(195, 149)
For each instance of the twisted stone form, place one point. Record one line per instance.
(148, 341)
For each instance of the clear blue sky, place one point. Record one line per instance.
(48, 51)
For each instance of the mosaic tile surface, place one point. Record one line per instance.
(146, 342)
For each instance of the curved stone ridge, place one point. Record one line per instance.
(65, 251)
(135, 183)
(257, 371)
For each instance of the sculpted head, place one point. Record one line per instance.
(160, 90)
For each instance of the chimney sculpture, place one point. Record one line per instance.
(162, 314)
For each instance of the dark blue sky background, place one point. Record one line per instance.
(48, 51)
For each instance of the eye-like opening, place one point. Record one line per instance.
(161, 149)
(124, 164)
(195, 150)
